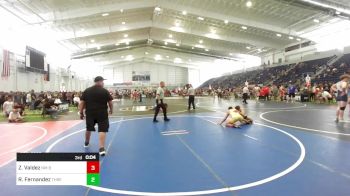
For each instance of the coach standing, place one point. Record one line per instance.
(160, 103)
(94, 100)
(191, 94)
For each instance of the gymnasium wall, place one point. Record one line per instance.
(171, 75)
(20, 80)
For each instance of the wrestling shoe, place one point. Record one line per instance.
(102, 151)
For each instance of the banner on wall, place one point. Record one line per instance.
(5, 64)
(47, 74)
(144, 76)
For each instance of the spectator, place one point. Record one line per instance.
(29, 99)
(15, 116)
(8, 106)
(50, 108)
(37, 104)
(33, 98)
(76, 100)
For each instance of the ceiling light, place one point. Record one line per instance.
(98, 47)
(337, 12)
(123, 23)
(259, 50)
(127, 43)
(290, 37)
(165, 43)
(117, 44)
(278, 35)
(298, 39)
(226, 21)
(121, 10)
(189, 60)
(249, 4)
(157, 9)
(316, 20)
(177, 44)
(184, 13)
(206, 49)
(92, 40)
(126, 35)
(122, 57)
(170, 36)
(213, 31)
(231, 54)
(157, 57)
(129, 58)
(82, 29)
(192, 48)
(177, 23)
(244, 27)
(177, 60)
(201, 41)
(167, 56)
(105, 14)
(200, 18)
(248, 47)
(146, 53)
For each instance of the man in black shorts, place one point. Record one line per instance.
(94, 100)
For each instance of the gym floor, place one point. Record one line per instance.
(291, 149)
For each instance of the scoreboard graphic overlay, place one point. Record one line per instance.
(58, 169)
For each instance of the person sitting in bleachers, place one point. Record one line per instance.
(15, 116)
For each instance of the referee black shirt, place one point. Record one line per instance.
(96, 99)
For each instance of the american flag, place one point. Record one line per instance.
(6, 64)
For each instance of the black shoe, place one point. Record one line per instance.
(102, 151)
(86, 144)
(155, 121)
(166, 119)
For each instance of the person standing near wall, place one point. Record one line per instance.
(94, 100)
(191, 95)
(160, 103)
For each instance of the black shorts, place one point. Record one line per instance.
(245, 95)
(101, 120)
(342, 98)
(292, 95)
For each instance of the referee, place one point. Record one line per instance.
(191, 94)
(94, 100)
(160, 103)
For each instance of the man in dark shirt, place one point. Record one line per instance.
(94, 100)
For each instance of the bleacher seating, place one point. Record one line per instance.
(332, 73)
(278, 75)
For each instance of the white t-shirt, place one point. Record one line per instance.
(308, 79)
(326, 94)
(160, 92)
(256, 89)
(76, 99)
(14, 116)
(245, 90)
(8, 106)
(191, 91)
(57, 101)
(29, 98)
